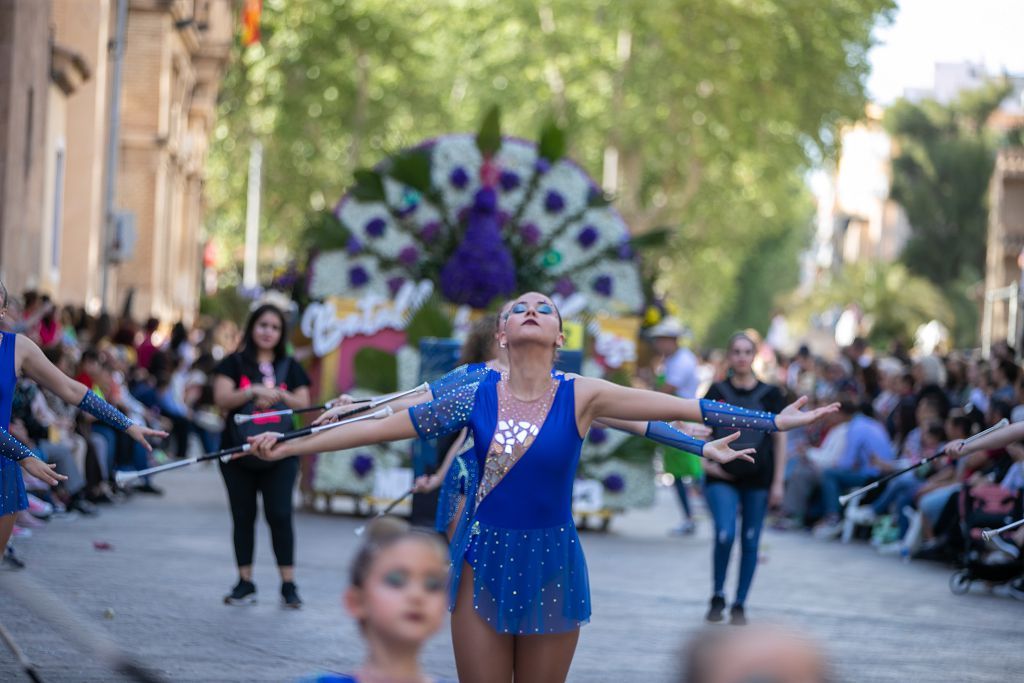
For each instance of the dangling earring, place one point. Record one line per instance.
(501, 345)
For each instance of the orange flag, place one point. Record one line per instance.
(251, 11)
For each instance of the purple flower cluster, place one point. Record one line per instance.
(553, 202)
(395, 284)
(604, 285)
(587, 236)
(565, 287)
(362, 464)
(614, 483)
(354, 246)
(508, 180)
(481, 268)
(357, 276)
(375, 227)
(408, 256)
(459, 178)
(430, 231)
(597, 435)
(530, 234)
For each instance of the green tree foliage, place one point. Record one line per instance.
(893, 300)
(941, 177)
(709, 111)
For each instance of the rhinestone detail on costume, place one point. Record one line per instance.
(718, 414)
(101, 410)
(11, 448)
(519, 423)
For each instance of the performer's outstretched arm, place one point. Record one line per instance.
(598, 399)
(37, 367)
(997, 439)
(427, 421)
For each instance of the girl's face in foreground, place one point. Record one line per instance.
(403, 598)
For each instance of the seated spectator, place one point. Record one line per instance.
(804, 478)
(866, 439)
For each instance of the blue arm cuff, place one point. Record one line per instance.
(101, 410)
(728, 416)
(664, 433)
(12, 449)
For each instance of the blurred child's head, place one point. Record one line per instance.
(398, 583)
(933, 435)
(958, 427)
(757, 654)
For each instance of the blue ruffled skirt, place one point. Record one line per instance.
(529, 580)
(12, 488)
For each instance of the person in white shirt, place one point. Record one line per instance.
(678, 373)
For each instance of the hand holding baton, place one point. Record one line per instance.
(226, 453)
(843, 500)
(371, 403)
(989, 533)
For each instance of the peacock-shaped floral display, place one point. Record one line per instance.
(483, 218)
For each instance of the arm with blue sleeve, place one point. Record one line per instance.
(12, 449)
(439, 417)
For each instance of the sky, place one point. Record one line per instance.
(990, 32)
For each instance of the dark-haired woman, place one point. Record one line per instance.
(739, 486)
(260, 376)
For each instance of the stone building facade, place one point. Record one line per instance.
(175, 54)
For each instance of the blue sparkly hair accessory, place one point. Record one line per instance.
(664, 433)
(12, 449)
(101, 410)
(728, 416)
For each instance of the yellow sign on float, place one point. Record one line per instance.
(573, 332)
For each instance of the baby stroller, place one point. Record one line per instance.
(987, 506)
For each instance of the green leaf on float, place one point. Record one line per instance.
(551, 145)
(376, 369)
(428, 321)
(656, 237)
(369, 186)
(598, 200)
(412, 168)
(488, 139)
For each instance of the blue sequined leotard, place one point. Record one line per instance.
(529, 573)
(12, 486)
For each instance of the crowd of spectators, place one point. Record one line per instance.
(898, 409)
(158, 374)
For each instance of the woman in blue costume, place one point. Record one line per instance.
(519, 578)
(19, 356)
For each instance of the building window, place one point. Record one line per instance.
(29, 121)
(58, 208)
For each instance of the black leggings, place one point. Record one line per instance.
(276, 483)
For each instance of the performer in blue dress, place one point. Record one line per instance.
(19, 355)
(519, 579)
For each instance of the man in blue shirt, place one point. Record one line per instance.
(865, 437)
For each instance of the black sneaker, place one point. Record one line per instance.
(148, 488)
(737, 616)
(244, 593)
(80, 504)
(290, 595)
(11, 559)
(715, 611)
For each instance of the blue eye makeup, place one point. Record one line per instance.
(396, 579)
(542, 308)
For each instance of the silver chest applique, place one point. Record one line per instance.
(519, 424)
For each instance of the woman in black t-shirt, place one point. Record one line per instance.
(743, 487)
(260, 376)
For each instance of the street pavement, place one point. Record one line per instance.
(157, 592)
